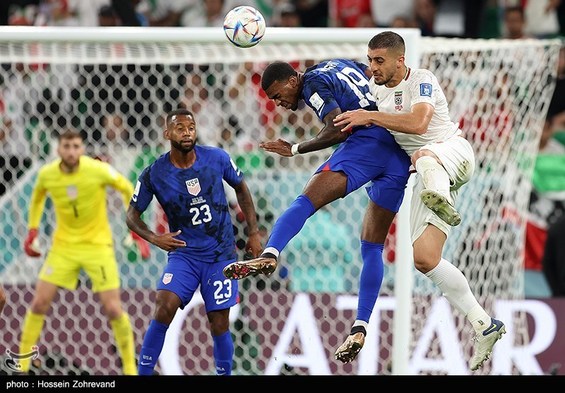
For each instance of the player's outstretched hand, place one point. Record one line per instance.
(280, 146)
(31, 244)
(348, 120)
(168, 241)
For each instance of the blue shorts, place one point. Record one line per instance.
(372, 155)
(182, 277)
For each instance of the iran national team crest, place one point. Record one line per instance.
(193, 186)
(398, 100)
(167, 278)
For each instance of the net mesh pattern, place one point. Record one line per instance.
(117, 95)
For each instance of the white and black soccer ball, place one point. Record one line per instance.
(244, 26)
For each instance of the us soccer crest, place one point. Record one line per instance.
(167, 278)
(193, 186)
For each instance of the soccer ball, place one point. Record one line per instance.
(244, 26)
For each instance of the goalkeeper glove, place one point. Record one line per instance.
(140, 243)
(31, 244)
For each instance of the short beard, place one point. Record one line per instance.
(178, 146)
(383, 83)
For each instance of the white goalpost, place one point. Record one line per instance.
(116, 84)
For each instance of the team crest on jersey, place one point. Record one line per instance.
(167, 278)
(72, 192)
(425, 89)
(398, 100)
(193, 186)
(317, 102)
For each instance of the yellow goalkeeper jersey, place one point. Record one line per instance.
(79, 200)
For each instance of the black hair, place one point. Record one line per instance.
(388, 40)
(177, 112)
(277, 71)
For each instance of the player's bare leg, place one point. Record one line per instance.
(455, 288)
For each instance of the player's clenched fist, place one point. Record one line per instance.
(31, 244)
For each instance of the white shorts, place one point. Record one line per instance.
(457, 156)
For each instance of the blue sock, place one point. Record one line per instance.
(371, 278)
(290, 222)
(152, 347)
(223, 353)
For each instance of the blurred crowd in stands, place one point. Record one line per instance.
(512, 19)
(462, 18)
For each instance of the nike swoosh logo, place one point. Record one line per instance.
(490, 329)
(145, 363)
(222, 301)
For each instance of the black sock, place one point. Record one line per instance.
(357, 329)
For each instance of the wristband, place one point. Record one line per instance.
(294, 149)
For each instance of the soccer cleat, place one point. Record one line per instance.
(441, 206)
(485, 341)
(242, 269)
(347, 352)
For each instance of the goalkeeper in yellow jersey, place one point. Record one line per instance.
(2, 299)
(82, 240)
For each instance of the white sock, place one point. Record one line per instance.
(479, 318)
(456, 290)
(272, 250)
(433, 174)
(359, 322)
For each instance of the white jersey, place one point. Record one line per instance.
(419, 85)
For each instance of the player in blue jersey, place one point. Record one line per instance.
(188, 184)
(366, 155)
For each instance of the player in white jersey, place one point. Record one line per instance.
(441, 137)
(413, 107)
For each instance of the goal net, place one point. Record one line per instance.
(116, 86)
